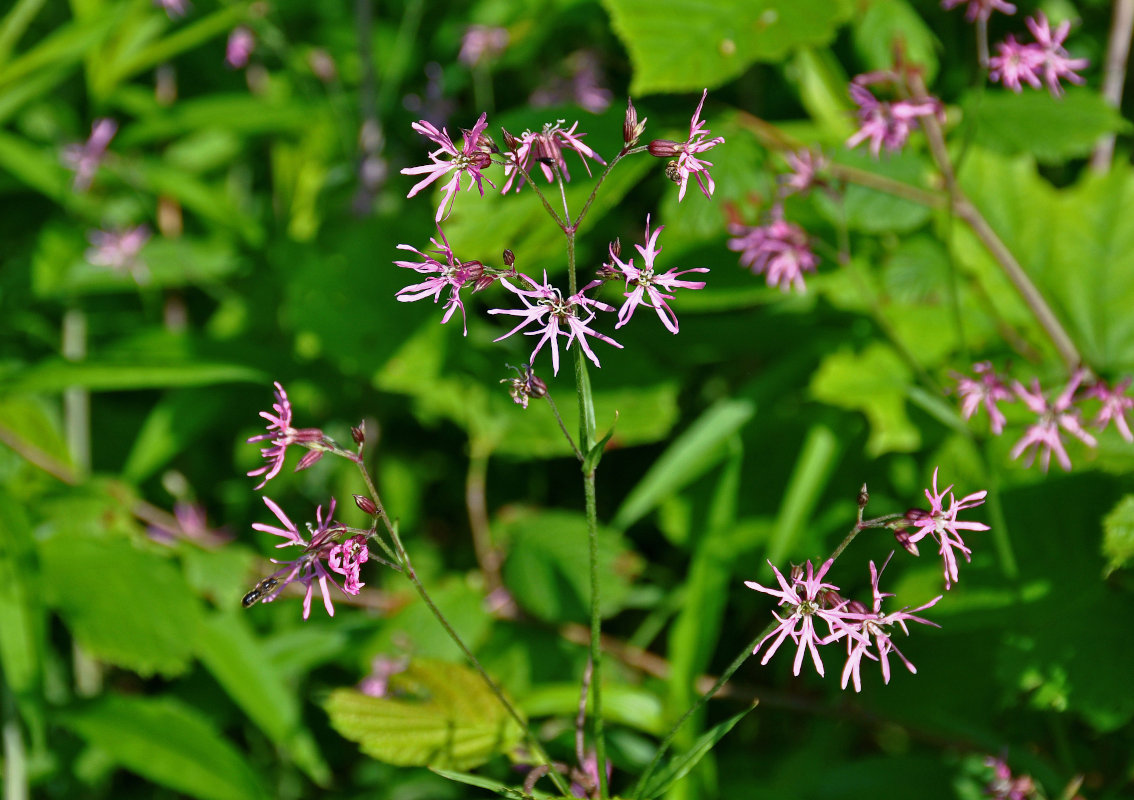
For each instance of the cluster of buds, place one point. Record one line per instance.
(1054, 417)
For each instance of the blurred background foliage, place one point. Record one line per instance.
(275, 202)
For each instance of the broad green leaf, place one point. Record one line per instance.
(690, 455)
(55, 376)
(125, 605)
(547, 571)
(23, 634)
(436, 714)
(870, 210)
(1051, 129)
(685, 45)
(233, 655)
(169, 743)
(1118, 534)
(680, 766)
(873, 382)
(888, 25)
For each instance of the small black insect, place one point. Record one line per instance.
(259, 592)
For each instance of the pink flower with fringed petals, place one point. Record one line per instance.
(1044, 437)
(470, 159)
(942, 525)
(649, 288)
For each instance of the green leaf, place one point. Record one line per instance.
(168, 743)
(680, 766)
(890, 23)
(485, 783)
(685, 45)
(690, 455)
(235, 658)
(22, 636)
(436, 714)
(1051, 129)
(1118, 534)
(125, 605)
(813, 468)
(592, 458)
(57, 375)
(873, 382)
(632, 706)
(547, 561)
(173, 424)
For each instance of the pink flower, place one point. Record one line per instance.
(1016, 64)
(986, 390)
(452, 274)
(174, 8)
(1044, 435)
(281, 434)
(1115, 404)
(239, 47)
(804, 164)
(779, 248)
(346, 559)
(887, 124)
(85, 158)
(482, 43)
(1055, 62)
(1003, 786)
(469, 160)
(687, 162)
(876, 626)
(382, 668)
(546, 148)
(119, 251)
(646, 291)
(942, 525)
(552, 313)
(584, 87)
(804, 599)
(308, 568)
(980, 9)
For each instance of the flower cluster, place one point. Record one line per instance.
(1054, 417)
(807, 601)
(1043, 62)
(329, 546)
(779, 249)
(887, 123)
(547, 312)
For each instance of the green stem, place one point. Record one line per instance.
(411, 574)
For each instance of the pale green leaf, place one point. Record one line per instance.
(1118, 534)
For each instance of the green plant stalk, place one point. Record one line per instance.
(587, 440)
(411, 574)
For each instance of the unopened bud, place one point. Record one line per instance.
(483, 282)
(366, 504)
(537, 387)
(829, 598)
(857, 607)
(486, 143)
(509, 258)
(473, 270)
(664, 148)
(796, 573)
(632, 129)
(359, 433)
(903, 538)
(863, 497)
(309, 458)
(510, 141)
(616, 248)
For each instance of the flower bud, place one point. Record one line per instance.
(616, 247)
(857, 607)
(863, 497)
(359, 433)
(309, 458)
(483, 282)
(796, 572)
(366, 504)
(510, 141)
(664, 148)
(509, 258)
(536, 386)
(903, 538)
(632, 129)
